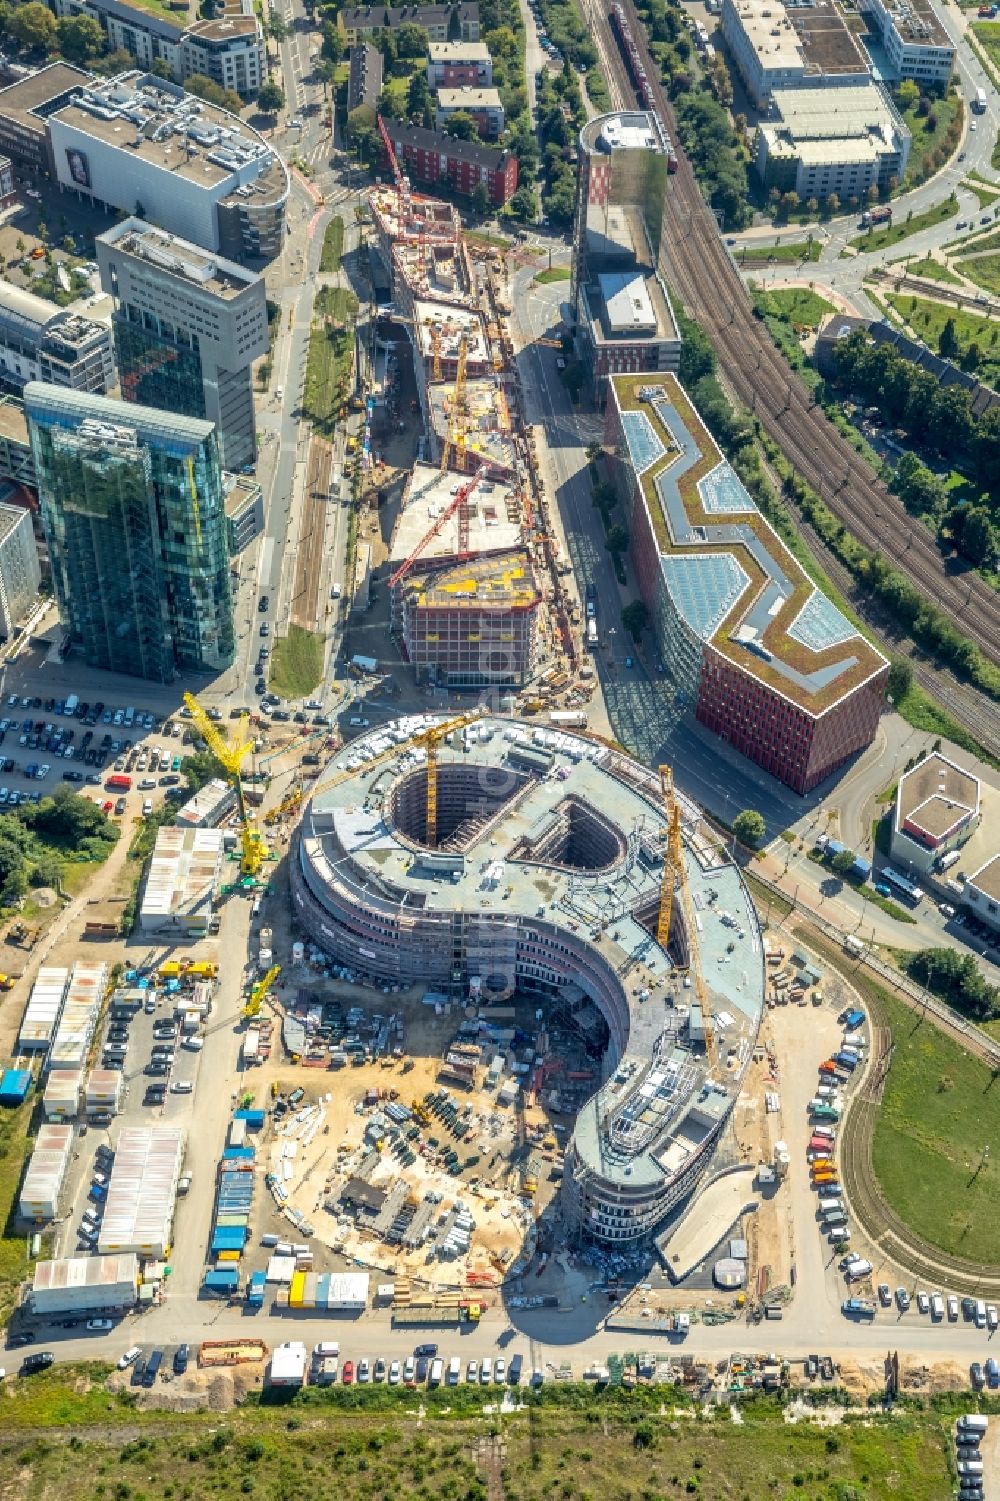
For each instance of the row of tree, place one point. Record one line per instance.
(957, 979)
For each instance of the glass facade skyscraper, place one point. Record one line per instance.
(132, 505)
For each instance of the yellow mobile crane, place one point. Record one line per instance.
(229, 753)
(430, 738)
(674, 868)
(261, 990)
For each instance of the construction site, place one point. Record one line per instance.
(480, 591)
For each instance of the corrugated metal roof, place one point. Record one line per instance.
(140, 1205)
(47, 1167)
(80, 1014)
(86, 1271)
(183, 872)
(41, 1015)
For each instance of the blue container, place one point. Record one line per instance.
(14, 1086)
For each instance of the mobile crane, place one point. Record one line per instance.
(229, 752)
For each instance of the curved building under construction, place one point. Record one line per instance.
(495, 858)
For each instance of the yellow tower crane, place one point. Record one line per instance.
(435, 334)
(675, 869)
(229, 752)
(261, 990)
(430, 738)
(457, 415)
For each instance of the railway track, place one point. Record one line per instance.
(702, 274)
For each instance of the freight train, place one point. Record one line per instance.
(637, 72)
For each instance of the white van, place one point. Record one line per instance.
(826, 1132)
(437, 1369)
(326, 1349)
(454, 1370)
(937, 1306)
(356, 719)
(827, 1205)
(974, 1422)
(857, 1270)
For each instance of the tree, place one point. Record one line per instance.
(33, 25)
(213, 93)
(900, 679)
(832, 204)
(200, 768)
(524, 204)
(908, 94)
(635, 618)
(842, 862)
(462, 126)
(270, 98)
(324, 70)
(977, 536)
(948, 345)
(333, 43)
(411, 41)
(750, 828)
(277, 26)
(481, 198)
(418, 96)
(80, 38)
(616, 539)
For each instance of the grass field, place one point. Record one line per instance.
(14, 1148)
(496, 242)
(927, 319)
(933, 271)
(785, 252)
(65, 1442)
(333, 245)
(939, 1109)
(296, 663)
(902, 229)
(984, 271)
(983, 192)
(929, 138)
(802, 307)
(553, 273)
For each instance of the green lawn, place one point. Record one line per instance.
(69, 1441)
(296, 663)
(481, 237)
(933, 270)
(988, 34)
(554, 273)
(803, 308)
(784, 252)
(928, 318)
(333, 245)
(901, 229)
(331, 357)
(984, 271)
(15, 1145)
(987, 195)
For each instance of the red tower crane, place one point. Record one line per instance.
(459, 503)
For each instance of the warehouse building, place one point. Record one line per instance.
(624, 318)
(937, 809)
(182, 882)
(84, 1285)
(770, 664)
(544, 877)
(138, 141)
(46, 1174)
(208, 807)
(139, 1212)
(817, 143)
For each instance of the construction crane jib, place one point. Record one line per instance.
(230, 753)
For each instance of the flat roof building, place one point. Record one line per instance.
(24, 110)
(937, 809)
(182, 882)
(483, 104)
(228, 47)
(115, 482)
(768, 661)
(193, 168)
(84, 1284)
(819, 142)
(916, 43)
(187, 326)
(16, 462)
(779, 47)
(435, 158)
(40, 341)
(139, 1210)
(454, 64)
(982, 892)
(624, 319)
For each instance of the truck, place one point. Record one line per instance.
(568, 718)
(857, 1308)
(415, 1314)
(251, 1046)
(255, 1289)
(880, 214)
(979, 103)
(591, 633)
(366, 665)
(953, 856)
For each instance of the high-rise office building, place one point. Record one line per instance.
(188, 326)
(624, 320)
(133, 510)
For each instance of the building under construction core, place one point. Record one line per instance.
(419, 241)
(440, 330)
(478, 425)
(547, 875)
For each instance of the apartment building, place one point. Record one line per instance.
(482, 104)
(442, 23)
(364, 80)
(436, 159)
(40, 341)
(453, 65)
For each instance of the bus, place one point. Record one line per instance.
(591, 633)
(901, 886)
(979, 103)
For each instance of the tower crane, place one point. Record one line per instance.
(459, 503)
(675, 869)
(401, 180)
(260, 991)
(229, 752)
(456, 418)
(429, 738)
(436, 350)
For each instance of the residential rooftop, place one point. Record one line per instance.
(629, 307)
(458, 52)
(476, 153)
(730, 575)
(987, 878)
(379, 17)
(186, 262)
(934, 797)
(469, 98)
(429, 493)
